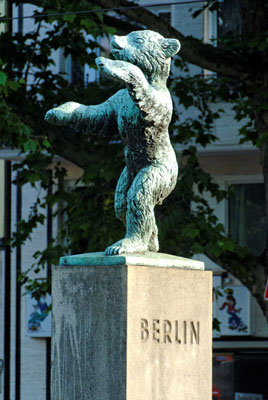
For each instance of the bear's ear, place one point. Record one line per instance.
(170, 47)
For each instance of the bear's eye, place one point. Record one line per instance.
(139, 40)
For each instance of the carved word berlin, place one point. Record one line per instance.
(165, 331)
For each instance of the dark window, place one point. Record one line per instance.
(250, 374)
(240, 373)
(247, 216)
(165, 16)
(229, 19)
(77, 73)
(222, 379)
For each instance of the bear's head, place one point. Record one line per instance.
(148, 50)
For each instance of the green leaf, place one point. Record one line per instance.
(13, 85)
(30, 145)
(69, 18)
(100, 16)
(3, 78)
(196, 13)
(46, 143)
(216, 325)
(88, 23)
(263, 138)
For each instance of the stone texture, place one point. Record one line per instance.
(127, 332)
(89, 333)
(175, 366)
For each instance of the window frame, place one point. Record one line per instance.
(238, 180)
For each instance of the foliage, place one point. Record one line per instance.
(28, 88)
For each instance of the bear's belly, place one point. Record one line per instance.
(137, 131)
(145, 142)
(141, 153)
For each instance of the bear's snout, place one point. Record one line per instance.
(118, 42)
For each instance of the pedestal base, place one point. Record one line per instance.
(131, 332)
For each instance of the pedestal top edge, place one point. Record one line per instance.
(148, 259)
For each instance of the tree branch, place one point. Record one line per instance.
(71, 146)
(192, 50)
(249, 270)
(123, 27)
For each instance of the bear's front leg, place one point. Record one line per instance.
(63, 114)
(121, 70)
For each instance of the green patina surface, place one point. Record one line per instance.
(148, 259)
(141, 112)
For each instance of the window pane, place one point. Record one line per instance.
(223, 366)
(166, 16)
(229, 19)
(77, 73)
(247, 218)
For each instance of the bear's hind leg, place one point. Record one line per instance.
(120, 197)
(143, 195)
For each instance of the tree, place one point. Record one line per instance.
(240, 60)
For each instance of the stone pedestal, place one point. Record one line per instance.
(131, 327)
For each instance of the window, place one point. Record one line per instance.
(241, 375)
(229, 19)
(223, 366)
(218, 25)
(163, 12)
(247, 217)
(209, 32)
(166, 16)
(74, 72)
(77, 73)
